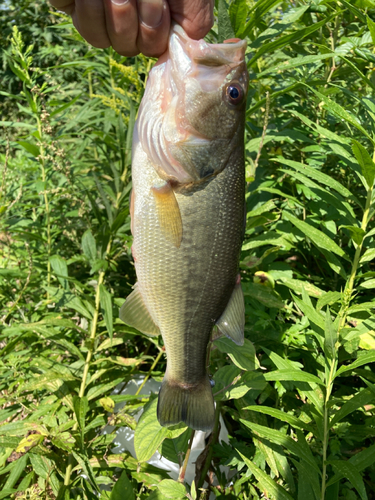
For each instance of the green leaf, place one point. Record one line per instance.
(317, 237)
(172, 489)
(265, 207)
(371, 27)
(328, 299)
(174, 449)
(354, 10)
(8, 441)
(242, 356)
(292, 375)
(123, 489)
(225, 30)
(356, 69)
(60, 267)
(349, 471)
(31, 148)
(360, 461)
(7, 493)
(47, 380)
(269, 238)
(89, 245)
(268, 48)
(364, 359)
(367, 284)
(232, 383)
(17, 124)
(308, 482)
(29, 442)
(341, 113)
(100, 389)
(64, 441)
(267, 485)
(87, 469)
(294, 63)
(81, 406)
(156, 495)
(280, 415)
(298, 285)
(360, 399)
(108, 404)
(238, 14)
(308, 309)
(365, 162)
(368, 256)
(106, 307)
(259, 8)
(21, 428)
(365, 306)
(323, 132)
(149, 434)
(193, 491)
(264, 294)
(356, 233)
(330, 337)
(41, 465)
(17, 470)
(64, 106)
(277, 437)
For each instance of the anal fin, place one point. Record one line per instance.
(232, 322)
(134, 313)
(168, 213)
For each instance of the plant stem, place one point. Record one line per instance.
(181, 477)
(326, 426)
(214, 438)
(150, 371)
(89, 356)
(46, 201)
(350, 283)
(348, 292)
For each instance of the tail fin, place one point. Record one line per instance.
(194, 405)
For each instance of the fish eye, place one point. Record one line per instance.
(234, 93)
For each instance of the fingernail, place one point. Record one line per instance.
(150, 12)
(119, 2)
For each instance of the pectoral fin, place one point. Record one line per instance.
(168, 212)
(134, 313)
(232, 322)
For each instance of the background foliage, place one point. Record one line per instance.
(300, 413)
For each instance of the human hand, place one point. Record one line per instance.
(134, 26)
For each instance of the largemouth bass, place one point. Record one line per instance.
(187, 215)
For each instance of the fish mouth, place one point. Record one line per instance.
(208, 63)
(230, 52)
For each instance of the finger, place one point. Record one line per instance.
(154, 24)
(195, 16)
(63, 5)
(122, 25)
(89, 19)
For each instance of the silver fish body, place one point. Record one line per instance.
(188, 215)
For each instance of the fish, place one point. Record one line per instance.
(187, 215)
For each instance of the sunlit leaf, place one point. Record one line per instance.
(122, 489)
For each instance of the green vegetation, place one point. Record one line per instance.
(300, 413)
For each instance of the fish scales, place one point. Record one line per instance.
(187, 218)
